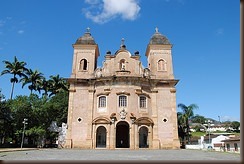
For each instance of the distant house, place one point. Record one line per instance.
(212, 128)
(217, 127)
(217, 142)
(232, 144)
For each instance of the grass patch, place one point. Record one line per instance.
(198, 134)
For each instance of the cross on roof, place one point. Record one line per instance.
(122, 41)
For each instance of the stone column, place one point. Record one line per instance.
(107, 136)
(112, 136)
(150, 136)
(94, 136)
(132, 136)
(136, 137)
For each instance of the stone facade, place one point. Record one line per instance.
(122, 104)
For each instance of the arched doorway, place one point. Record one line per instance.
(122, 135)
(101, 137)
(143, 137)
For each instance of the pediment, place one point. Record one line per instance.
(144, 121)
(122, 53)
(101, 120)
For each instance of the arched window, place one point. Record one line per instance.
(122, 101)
(161, 65)
(143, 102)
(83, 64)
(122, 64)
(102, 102)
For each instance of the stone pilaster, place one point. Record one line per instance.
(155, 140)
(90, 109)
(68, 137)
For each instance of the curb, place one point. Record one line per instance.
(16, 149)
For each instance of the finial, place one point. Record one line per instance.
(88, 29)
(156, 29)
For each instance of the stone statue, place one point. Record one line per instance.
(122, 66)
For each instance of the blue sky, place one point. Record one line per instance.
(205, 37)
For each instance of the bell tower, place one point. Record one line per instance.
(159, 57)
(85, 56)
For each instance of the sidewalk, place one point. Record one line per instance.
(15, 149)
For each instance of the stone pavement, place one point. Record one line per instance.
(118, 155)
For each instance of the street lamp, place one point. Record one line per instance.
(24, 122)
(209, 122)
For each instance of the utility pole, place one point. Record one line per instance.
(23, 133)
(209, 123)
(209, 131)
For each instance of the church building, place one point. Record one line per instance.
(122, 104)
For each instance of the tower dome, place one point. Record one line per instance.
(86, 38)
(158, 38)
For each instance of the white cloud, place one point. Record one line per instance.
(106, 10)
(220, 31)
(229, 118)
(2, 22)
(21, 31)
(92, 2)
(178, 1)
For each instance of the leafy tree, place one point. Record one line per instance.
(20, 109)
(198, 119)
(2, 97)
(40, 112)
(5, 120)
(235, 125)
(16, 68)
(34, 78)
(183, 120)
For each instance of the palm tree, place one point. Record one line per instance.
(57, 84)
(45, 86)
(34, 78)
(183, 118)
(16, 68)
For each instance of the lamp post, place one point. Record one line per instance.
(209, 121)
(24, 122)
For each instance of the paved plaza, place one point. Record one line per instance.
(119, 154)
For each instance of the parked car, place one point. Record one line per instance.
(210, 148)
(53, 145)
